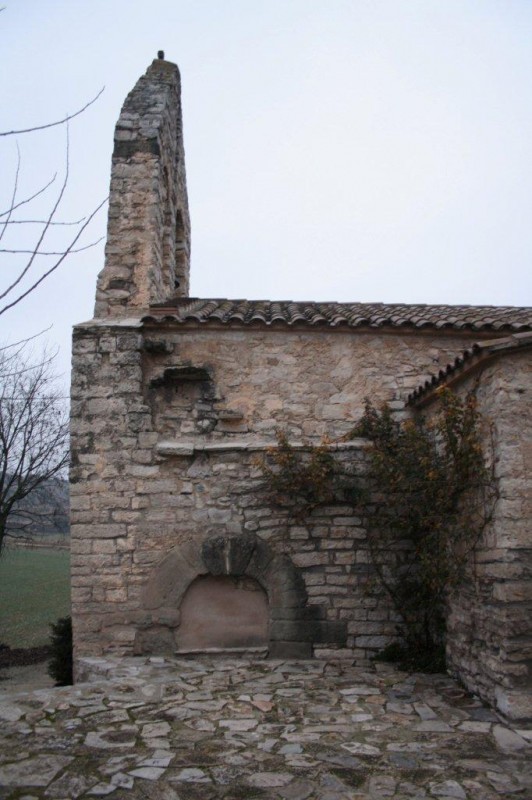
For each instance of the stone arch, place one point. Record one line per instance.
(294, 626)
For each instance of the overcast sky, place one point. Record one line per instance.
(353, 150)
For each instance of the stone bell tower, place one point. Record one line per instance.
(147, 255)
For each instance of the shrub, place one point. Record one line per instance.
(413, 657)
(299, 480)
(436, 499)
(60, 666)
(427, 496)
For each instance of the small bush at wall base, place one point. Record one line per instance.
(413, 659)
(60, 666)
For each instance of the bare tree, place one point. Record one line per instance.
(33, 435)
(29, 265)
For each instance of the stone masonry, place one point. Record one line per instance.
(148, 238)
(489, 631)
(175, 401)
(155, 728)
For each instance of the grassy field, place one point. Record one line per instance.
(34, 591)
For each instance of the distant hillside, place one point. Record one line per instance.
(44, 512)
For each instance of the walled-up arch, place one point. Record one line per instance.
(292, 625)
(223, 612)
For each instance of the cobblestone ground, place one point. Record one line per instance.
(179, 730)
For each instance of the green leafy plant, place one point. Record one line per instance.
(414, 656)
(433, 496)
(60, 666)
(427, 495)
(299, 480)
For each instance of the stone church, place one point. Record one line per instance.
(175, 545)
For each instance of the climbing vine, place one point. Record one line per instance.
(434, 498)
(427, 495)
(299, 479)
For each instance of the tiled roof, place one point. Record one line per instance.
(479, 353)
(349, 315)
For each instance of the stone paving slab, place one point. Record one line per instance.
(170, 729)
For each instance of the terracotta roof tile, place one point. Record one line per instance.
(478, 353)
(351, 315)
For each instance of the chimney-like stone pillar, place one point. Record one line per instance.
(147, 253)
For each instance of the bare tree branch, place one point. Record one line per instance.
(33, 436)
(44, 231)
(24, 341)
(65, 119)
(42, 222)
(53, 252)
(23, 275)
(56, 265)
(26, 200)
(13, 196)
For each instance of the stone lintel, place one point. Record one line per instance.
(176, 448)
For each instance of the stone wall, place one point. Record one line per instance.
(168, 423)
(251, 380)
(148, 237)
(171, 418)
(489, 629)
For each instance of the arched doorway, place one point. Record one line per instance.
(223, 612)
(231, 592)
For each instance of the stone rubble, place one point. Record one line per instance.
(176, 729)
